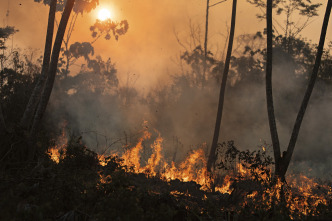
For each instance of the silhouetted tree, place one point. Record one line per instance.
(5, 33)
(35, 96)
(212, 155)
(269, 95)
(44, 87)
(52, 67)
(206, 36)
(70, 53)
(288, 154)
(290, 29)
(282, 162)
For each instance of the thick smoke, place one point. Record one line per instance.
(165, 95)
(183, 112)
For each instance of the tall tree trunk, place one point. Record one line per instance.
(288, 155)
(269, 96)
(35, 96)
(212, 155)
(206, 39)
(53, 67)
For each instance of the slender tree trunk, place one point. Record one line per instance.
(206, 39)
(288, 155)
(35, 96)
(53, 67)
(212, 155)
(269, 96)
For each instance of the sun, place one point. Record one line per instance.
(104, 14)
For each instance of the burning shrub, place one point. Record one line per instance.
(254, 191)
(81, 183)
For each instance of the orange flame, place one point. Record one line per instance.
(61, 143)
(299, 193)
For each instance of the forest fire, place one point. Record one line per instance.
(252, 185)
(60, 145)
(193, 168)
(103, 67)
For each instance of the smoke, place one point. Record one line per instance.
(184, 113)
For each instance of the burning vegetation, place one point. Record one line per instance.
(42, 178)
(241, 187)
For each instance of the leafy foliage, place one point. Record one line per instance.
(83, 49)
(109, 27)
(5, 33)
(304, 7)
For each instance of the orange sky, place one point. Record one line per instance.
(149, 49)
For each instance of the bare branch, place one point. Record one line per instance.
(217, 3)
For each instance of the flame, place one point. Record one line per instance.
(102, 160)
(226, 187)
(132, 156)
(300, 193)
(60, 144)
(193, 168)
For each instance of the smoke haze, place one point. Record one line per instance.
(147, 60)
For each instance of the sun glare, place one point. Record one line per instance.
(104, 14)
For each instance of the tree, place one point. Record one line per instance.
(70, 53)
(66, 53)
(208, 6)
(268, 79)
(43, 89)
(282, 162)
(52, 67)
(305, 10)
(288, 155)
(5, 33)
(206, 37)
(35, 96)
(212, 155)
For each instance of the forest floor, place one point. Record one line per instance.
(80, 187)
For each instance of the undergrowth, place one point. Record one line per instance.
(78, 187)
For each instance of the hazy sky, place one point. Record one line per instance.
(150, 48)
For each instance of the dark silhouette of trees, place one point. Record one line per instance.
(5, 33)
(288, 155)
(269, 95)
(71, 52)
(206, 37)
(40, 96)
(289, 29)
(212, 155)
(35, 96)
(39, 99)
(282, 162)
(45, 96)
